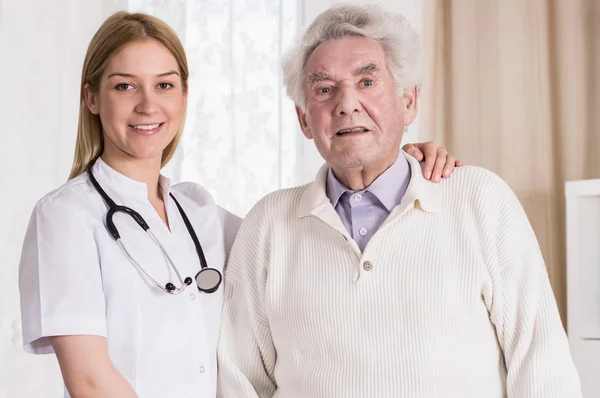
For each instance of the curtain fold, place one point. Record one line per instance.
(510, 86)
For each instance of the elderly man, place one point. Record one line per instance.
(372, 281)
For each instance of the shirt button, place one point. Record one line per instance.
(367, 266)
(358, 197)
(362, 232)
(192, 297)
(202, 369)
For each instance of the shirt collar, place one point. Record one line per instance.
(388, 188)
(334, 188)
(118, 183)
(425, 192)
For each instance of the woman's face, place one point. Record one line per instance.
(140, 100)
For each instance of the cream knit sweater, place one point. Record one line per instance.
(450, 298)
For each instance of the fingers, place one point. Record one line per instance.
(438, 162)
(449, 166)
(413, 151)
(429, 150)
(438, 165)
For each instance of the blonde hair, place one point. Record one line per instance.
(115, 33)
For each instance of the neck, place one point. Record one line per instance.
(142, 170)
(359, 178)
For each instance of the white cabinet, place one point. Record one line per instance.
(583, 280)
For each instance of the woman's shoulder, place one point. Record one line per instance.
(201, 197)
(194, 192)
(72, 195)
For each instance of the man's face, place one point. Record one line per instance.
(354, 112)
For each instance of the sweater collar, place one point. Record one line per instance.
(420, 192)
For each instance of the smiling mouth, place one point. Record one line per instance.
(351, 131)
(147, 127)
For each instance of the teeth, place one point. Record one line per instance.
(146, 126)
(354, 130)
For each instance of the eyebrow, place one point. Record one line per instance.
(318, 77)
(129, 75)
(368, 68)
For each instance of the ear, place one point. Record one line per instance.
(303, 123)
(411, 104)
(91, 100)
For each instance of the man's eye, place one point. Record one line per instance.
(325, 90)
(368, 82)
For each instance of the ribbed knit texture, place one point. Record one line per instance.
(457, 302)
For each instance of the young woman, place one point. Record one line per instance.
(121, 271)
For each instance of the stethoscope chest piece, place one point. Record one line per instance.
(209, 280)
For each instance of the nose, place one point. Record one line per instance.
(347, 102)
(147, 102)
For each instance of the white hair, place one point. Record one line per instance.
(400, 42)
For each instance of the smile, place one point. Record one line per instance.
(146, 129)
(145, 126)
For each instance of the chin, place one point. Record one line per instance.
(350, 162)
(145, 154)
(354, 158)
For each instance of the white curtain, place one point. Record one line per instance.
(241, 138)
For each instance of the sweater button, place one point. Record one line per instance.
(367, 266)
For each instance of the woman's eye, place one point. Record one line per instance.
(123, 86)
(164, 86)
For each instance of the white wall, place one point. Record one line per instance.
(412, 10)
(42, 46)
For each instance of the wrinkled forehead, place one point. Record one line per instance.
(346, 56)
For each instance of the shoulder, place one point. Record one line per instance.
(277, 205)
(64, 216)
(194, 192)
(273, 210)
(479, 177)
(280, 202)
(480, 195)
(71, 200)
(479, 187)
(201, 197)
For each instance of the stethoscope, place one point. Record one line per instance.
(208, 279)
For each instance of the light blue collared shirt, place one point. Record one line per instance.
(363, 212)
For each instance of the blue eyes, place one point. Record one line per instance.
(325, 90)
(368, 82)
